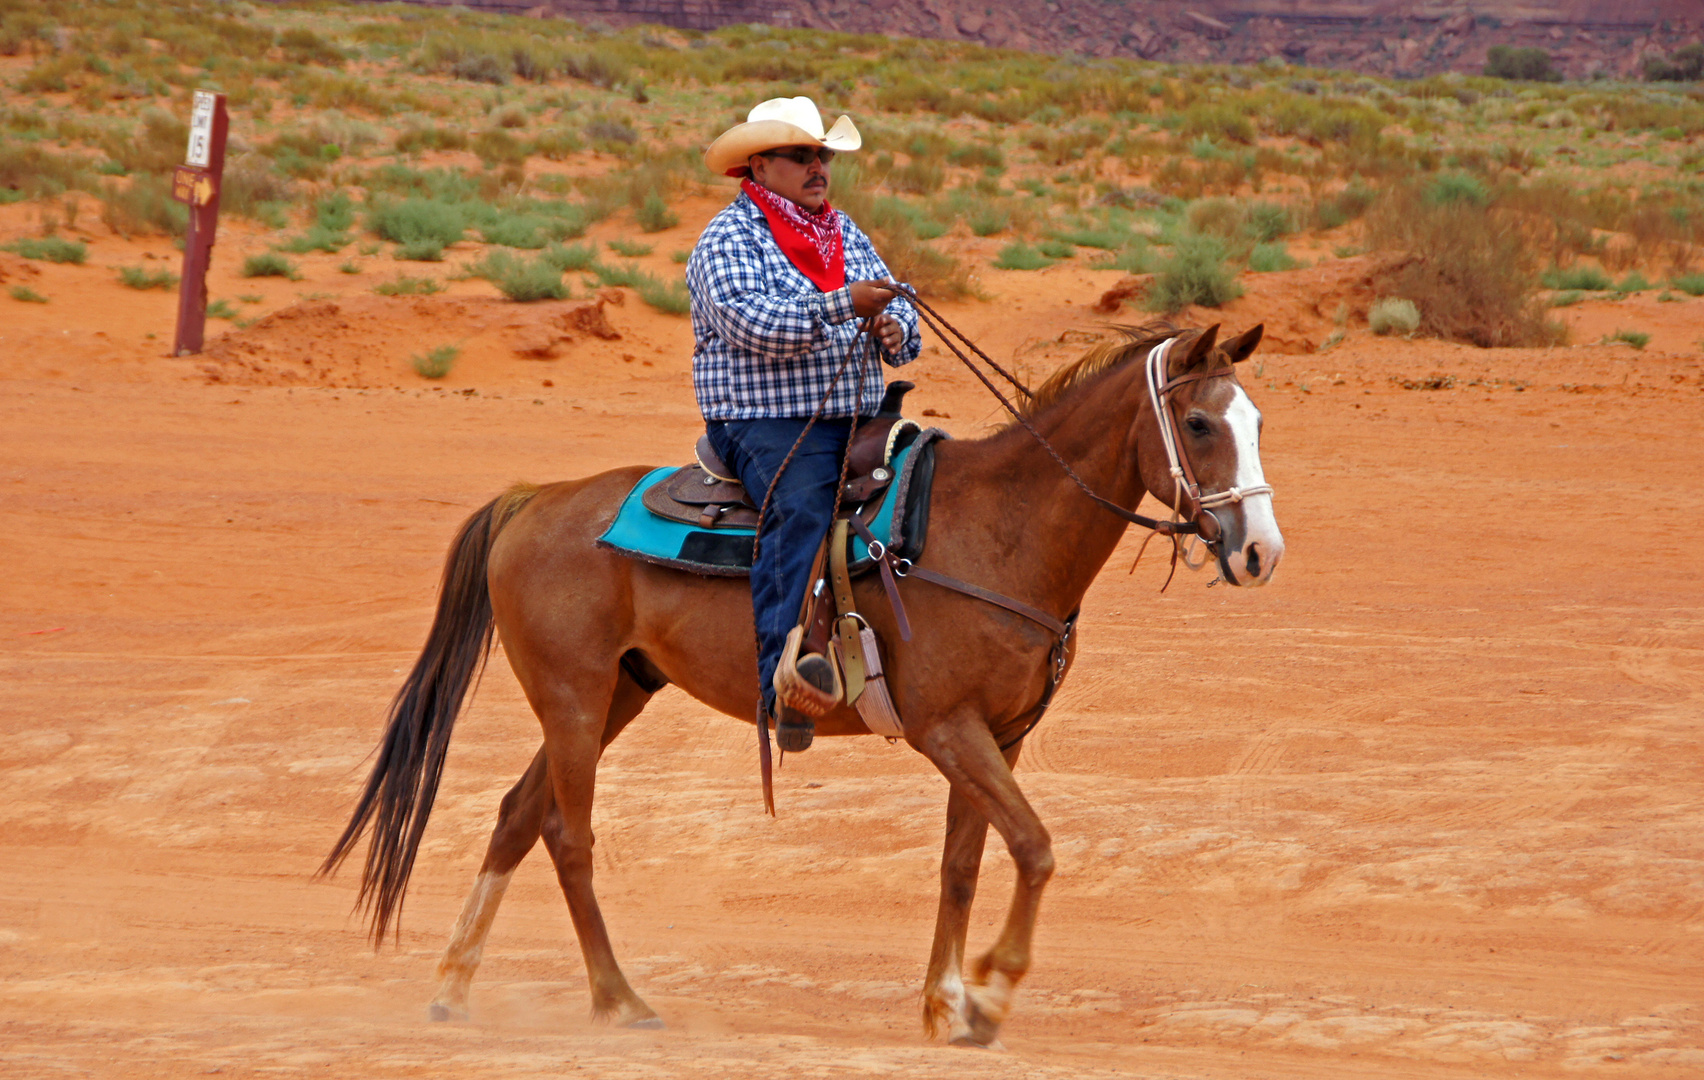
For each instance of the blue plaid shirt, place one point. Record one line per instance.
(766, 339)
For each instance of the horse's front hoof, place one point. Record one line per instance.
(439, 1013)
(649, 1023)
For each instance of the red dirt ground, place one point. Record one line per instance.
(1431, 805)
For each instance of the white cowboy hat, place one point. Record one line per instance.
(773, 123)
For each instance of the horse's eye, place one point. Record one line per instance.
(1198, 426)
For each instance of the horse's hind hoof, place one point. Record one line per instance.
(439, 1013)
(650, 1023)
(971, 1044)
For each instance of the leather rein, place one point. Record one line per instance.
(1202, 523)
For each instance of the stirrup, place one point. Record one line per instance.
(810, 683)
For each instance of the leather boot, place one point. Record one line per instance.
(795, 730)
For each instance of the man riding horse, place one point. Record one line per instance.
(780, 282)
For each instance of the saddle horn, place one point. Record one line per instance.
(895, 395)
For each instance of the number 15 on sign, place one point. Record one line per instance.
(201, 130)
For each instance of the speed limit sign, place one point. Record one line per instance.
(201, 130)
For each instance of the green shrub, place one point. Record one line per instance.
(1265, 222)
(530, 231)
(481, 67)
(1107, 239)
(422, 227)
(1509, 62)
(403, 285)
(989, 221)
(222, 309)
(1020, 256)
(567, 257)
(1268, 258)
(1690, 284)
(419, 251)
(1632, 283)
(497, 147)
(668, 297)
(1567, 299)
(654, 215)
(335, 213)
(519, 279)
(630, 249)
(1636, 338)
(138, 277)
(1056, 249)
(317, 238)
(1578, 276)
(1393, 316)
(1195, 273)
(27, 295)
(270, 264)
(435, 363)
(1457, 187)
(55, 249)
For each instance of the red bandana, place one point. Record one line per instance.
(812, 242)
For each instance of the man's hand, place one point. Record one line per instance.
(889, 332)
(870, 297)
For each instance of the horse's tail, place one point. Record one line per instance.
(398, 797)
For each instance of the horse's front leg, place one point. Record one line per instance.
(961, 862)
(983, 784)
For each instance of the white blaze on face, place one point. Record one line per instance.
(1260, 525)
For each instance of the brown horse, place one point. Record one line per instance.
(591, 635)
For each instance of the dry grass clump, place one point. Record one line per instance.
(1473, 274)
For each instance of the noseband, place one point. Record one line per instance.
(1186, 491)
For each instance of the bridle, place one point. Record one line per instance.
(1186, 490)
(1201, 522)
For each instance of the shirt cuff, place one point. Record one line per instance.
(837, 306)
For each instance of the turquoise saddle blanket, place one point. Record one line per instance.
(727, 552)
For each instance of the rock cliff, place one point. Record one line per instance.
(1388, 37)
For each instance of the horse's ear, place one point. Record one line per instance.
(1242, 346)
(1199, 350)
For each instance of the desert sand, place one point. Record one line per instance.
(1430, 805)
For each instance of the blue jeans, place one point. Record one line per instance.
(800, 513)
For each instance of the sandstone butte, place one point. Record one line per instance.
(1585, 38)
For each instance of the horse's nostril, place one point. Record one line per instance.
(1254, 560)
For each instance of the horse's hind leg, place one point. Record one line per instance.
(519, 823)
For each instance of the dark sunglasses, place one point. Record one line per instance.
(801, 155)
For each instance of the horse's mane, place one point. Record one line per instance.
(1133, 341)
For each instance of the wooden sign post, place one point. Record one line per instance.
(197, 183)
